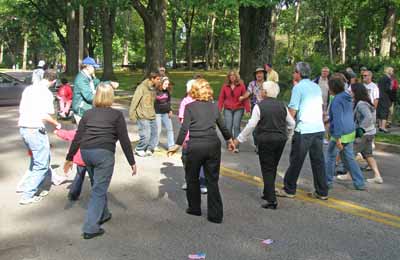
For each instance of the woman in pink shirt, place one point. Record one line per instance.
(233, 107)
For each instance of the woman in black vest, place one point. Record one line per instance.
(270, 121)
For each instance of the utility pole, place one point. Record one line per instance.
(81, 29)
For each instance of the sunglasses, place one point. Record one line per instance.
(365, 75)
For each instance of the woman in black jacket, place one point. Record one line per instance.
(204, 149)
(98, 131)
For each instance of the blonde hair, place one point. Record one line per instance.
(271, 88)
(104, 96)
(201, 90)
(237, 80)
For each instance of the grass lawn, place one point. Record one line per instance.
(129, 80)
(388, 138)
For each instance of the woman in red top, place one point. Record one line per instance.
(228, 100)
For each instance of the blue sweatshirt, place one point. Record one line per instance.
(341, 119)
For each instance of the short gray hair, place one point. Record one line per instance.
(271, 88)
(304, 69)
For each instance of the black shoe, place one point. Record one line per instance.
(270, 205)
(93, 235)
(214, 220)
(193, 212)
(263, 197)
(105, 220)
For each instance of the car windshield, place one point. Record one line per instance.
(5, 78)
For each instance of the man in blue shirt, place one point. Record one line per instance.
(306, 107)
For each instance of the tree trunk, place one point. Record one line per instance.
(154, 19)
(255, 24)
(343, 43)
(73, 42)
(25, 52)
(296, 24)
(329, 20)
(174, 26)
(212, 41)
(125, 61)
(90, 43)
(206, 44)
(272, 33)
(387, 33)
(393, 45)
(107, 29)
(1, 52)
(189, 25)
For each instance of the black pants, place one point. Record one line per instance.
(206, 154)
(269, 153)
(301, 145)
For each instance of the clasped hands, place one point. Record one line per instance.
(231, 143)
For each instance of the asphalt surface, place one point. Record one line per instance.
(149, 221)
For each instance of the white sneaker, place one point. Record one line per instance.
(203, 190)
(30, 200)
(377, 180)
(57, 179)
(140, 153)
(345, 177)
(157, 149)
(236, 150)
(149, 153)
(184, 186)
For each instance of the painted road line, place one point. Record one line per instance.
(340, 205)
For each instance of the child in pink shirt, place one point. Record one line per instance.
(76, 186)
(185, 101)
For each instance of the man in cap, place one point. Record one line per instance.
(85, 87)
(37, 74)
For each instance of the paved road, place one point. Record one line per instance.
(149, 220)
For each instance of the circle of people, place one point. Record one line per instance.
(335, 110)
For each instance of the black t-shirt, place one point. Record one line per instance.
(162, 103)
(102, 128)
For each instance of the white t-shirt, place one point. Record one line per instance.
(373, 91)
(36, 103)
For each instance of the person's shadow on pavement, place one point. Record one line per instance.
(172, 183)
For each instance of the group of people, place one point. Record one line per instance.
(328, 105)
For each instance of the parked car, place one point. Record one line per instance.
(11, 90)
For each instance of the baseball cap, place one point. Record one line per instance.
(41, 63)
(90, 61)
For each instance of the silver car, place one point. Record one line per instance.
(11, 90)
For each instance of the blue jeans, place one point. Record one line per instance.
(166, 121)
(147, 134)
(347, 155)
(76, 186)
(40, 161)
(99, 164)
(232, 120)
